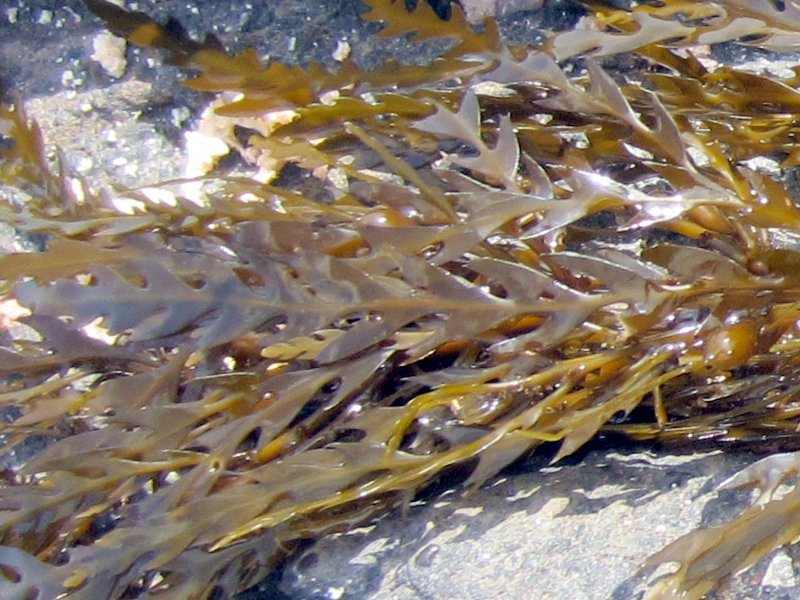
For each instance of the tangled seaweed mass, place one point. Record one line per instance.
(506, 248)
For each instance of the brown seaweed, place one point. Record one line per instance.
(224, 378)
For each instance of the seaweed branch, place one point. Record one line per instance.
(504, 254)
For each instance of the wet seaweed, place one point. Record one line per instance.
(504, 253)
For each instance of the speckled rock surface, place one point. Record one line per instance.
(579, 530)
(574, 530)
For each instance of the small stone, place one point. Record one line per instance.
(109, 52)
(67, 78)
(780, 572)
(84, 164)
(179, 115)
(342, 50)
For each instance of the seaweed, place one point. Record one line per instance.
(224, 376)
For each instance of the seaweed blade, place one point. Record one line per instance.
(215, 376)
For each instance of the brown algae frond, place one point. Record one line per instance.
(502, 251)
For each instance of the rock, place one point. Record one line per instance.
(580, 530)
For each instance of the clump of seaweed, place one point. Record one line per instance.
(502, 253)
